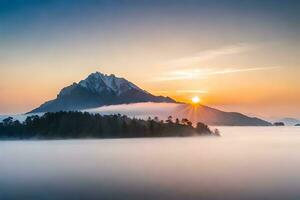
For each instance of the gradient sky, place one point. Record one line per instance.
(235, 55)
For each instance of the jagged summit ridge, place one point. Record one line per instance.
(96, 90)
(97, 82)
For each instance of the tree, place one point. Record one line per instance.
(202, 128)
(7, 121)
(185, 121)
(217, 132)
(169, 120)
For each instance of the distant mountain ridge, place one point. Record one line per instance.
(217, 117)
(289, 121)
(98, 90)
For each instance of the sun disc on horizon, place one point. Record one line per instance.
(195, 99)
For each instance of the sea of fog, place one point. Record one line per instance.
(245, 163)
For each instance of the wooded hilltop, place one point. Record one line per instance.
(71, 125)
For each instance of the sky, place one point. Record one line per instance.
(235, 55)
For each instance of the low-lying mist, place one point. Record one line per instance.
(246, 163)
(143, 110)
(137, 110)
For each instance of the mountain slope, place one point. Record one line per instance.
(217, 117)
(288, 121)
(199, 113)
(98, 90)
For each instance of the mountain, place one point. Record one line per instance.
(289, 121)
(98, 90)
(198, 113)
(217, 117)
(102, 92)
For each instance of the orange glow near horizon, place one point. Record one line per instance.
(191, 112)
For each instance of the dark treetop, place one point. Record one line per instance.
(67, 125)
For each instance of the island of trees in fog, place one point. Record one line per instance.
(67, 125)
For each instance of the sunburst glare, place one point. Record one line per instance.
(195, 99)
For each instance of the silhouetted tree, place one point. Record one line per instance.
(7, 121)
(170, 120)
(203, 128)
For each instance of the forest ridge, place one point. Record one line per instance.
(73, 124)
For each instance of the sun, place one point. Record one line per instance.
(195, 99)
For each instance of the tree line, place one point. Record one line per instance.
(87, 125)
